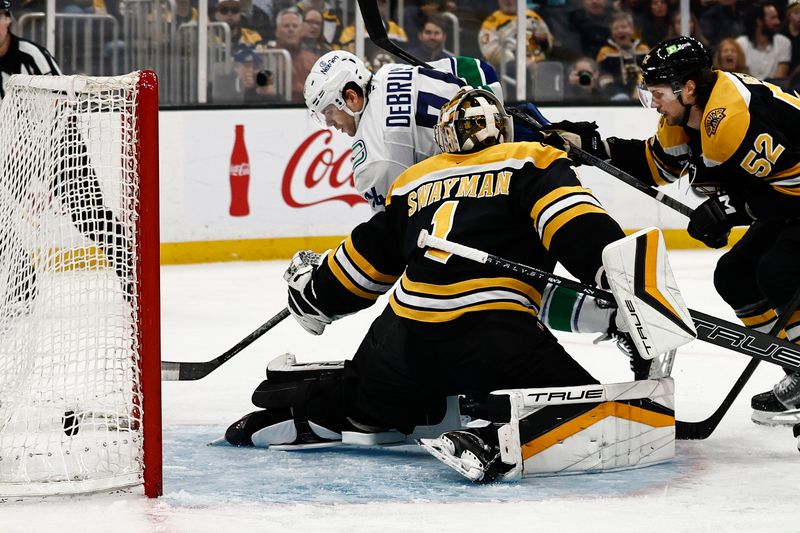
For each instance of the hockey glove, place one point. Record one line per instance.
(710, 223)
(583, 135)
(302, 299)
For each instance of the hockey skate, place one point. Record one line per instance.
(639, 365)
(781, 405)
(467, 453)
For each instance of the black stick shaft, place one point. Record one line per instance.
(703, 429)
(186, 371)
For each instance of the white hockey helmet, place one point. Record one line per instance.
(326, 82)
(472, 120)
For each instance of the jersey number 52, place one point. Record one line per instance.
(765, 147)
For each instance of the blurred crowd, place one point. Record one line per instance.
(594, 47)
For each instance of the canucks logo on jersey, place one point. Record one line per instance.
(359, 153)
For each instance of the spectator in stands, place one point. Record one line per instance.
(767, 52)
(498, 35)
(432, 38)
(230, 12)
(313, 39)
(791, 29)
(375, 57)
(654, 22)
(79, 7)
(621, 58)
(253, 85)
(29, 6)
(331, 20)
(185, 12)
(470, 15)
(694, 28)
(591, 24)
(729, 57)
(262, 18)
(583, 84)
(720, 21)
(289, 36)
(415, 14)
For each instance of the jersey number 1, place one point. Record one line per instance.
(442, 224)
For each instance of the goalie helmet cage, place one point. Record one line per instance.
(80, 406)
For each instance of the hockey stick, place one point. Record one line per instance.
(710, 329)
(377, 32)
(187, 371)
(584, 157)
(703, 428)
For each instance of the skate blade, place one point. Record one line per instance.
(771, 418)
(308, 446)
(436, 449)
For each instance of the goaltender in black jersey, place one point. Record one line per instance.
(452, 325)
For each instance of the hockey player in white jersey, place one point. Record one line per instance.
(391, 116)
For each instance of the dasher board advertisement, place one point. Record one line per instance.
(290, 179)
(282, 176)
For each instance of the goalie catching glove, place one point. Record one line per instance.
(582, 135)
(302, 299)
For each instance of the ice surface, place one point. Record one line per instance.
(743, 478)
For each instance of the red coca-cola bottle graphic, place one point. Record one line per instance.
(240, 176)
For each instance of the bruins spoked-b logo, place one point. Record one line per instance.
(713, 118)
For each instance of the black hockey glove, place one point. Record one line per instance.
(583, 135)
(711, 222)
(302, 300)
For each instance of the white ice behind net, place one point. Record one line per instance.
(69, 378)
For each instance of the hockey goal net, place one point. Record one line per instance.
(79, 285)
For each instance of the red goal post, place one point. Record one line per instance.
(80, 391)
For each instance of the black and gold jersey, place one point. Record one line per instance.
(748, 145)
(521, 201)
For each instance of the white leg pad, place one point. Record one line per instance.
(590, 428)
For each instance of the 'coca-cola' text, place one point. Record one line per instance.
(319, 165)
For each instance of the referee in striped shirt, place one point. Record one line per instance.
(18, 55)
(76, 184)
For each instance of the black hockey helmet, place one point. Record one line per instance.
(672, 61)
(5, 5)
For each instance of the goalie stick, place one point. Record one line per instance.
(187, 371)
(710, 329)
(703, 429)
(377, 32)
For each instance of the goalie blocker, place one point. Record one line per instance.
(566, 430)
(649, 302)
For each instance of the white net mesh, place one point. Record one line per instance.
(70, 416)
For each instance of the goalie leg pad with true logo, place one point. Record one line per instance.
(591, 428)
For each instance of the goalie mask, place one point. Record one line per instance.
(326, 82)
(472, 120)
